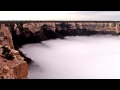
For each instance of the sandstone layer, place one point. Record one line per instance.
(5, 36)
(16, 68)
(13, 69)
(24, 32)
(91, 25)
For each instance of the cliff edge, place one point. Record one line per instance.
(12, 64)
(24, 32)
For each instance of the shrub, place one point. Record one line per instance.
(6, 52)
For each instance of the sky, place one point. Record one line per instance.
(60, 15)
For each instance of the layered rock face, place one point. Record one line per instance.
(95, 25)
(16, 68)
(24, 32)
(34, 27)
(5, 36)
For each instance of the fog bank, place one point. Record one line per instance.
(79, 57)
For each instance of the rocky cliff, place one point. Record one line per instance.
(5, 36)
(53, 25)
(12, 68)
(12, 62)
(24, 32)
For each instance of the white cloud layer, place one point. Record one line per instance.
(80, 57)
(60, 15)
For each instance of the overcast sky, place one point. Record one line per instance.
(60, 15)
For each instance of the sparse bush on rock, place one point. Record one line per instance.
(6, 53)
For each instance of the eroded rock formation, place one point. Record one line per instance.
(90, 25)
(16, 68)
(12, 62)
(37, 31)
(5, 36)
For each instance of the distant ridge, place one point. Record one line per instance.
(5, 21)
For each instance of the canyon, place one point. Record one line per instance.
(15, 34)
(24, 32)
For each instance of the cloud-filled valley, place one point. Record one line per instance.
(79, 57)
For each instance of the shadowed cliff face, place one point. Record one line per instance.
(32, 32)
(97, 26)
(29, 33)
(7, 39)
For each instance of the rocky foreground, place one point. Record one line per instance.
(13, 64)
(12, 68)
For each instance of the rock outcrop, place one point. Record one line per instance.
(5, 36)
(24, 32)
(91, 25)
(16, 68)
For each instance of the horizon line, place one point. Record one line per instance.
(63, 20)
